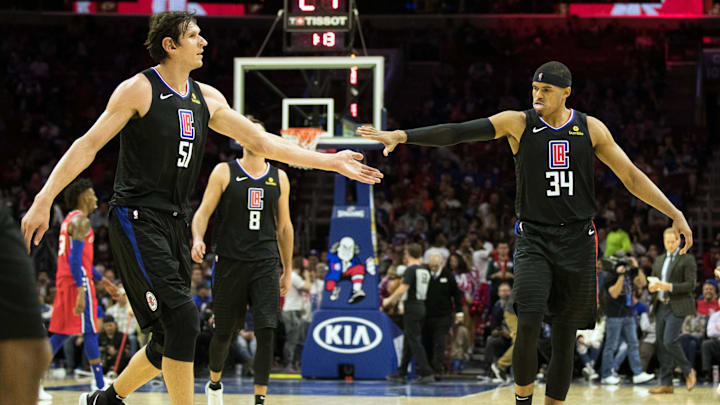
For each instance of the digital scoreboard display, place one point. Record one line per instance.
(318, 15)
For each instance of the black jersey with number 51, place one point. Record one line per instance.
(555, 171)
(245, 226)
(161, 152)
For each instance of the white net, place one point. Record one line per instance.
(304, 137)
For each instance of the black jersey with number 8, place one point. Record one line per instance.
(245, 226)
(555, 171)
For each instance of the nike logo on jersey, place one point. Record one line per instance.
(164, 96)
(240, 178)
(591, 231)
(536, 130)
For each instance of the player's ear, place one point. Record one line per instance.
(168, 44)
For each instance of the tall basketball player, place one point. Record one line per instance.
(554, 149)
(75, 306)
(252, 234)
(164, 118)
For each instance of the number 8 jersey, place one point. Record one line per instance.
(555, 171)
(245, 217)
(161, 152)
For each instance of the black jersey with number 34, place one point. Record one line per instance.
(161, 152)
(555, 171)
(245, 217)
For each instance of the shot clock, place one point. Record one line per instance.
(318, 25)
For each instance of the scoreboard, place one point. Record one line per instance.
(318, 25)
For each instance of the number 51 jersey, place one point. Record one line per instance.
(161, 152)
(245, 226)
(555, 171)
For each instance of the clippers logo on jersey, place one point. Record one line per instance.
(559, 151)
(187, 131)
(255, 198)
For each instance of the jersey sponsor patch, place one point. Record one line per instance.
(255, 198)
(187, 131)
(576, 131)
(559, 150)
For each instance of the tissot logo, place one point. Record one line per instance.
(347, 335)
(351, 212)
(318, 21)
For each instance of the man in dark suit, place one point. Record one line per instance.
(674, 300)
(443, 302)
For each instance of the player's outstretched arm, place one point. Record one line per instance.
(229, 122)
(285, 232)
(635, 180)
(217, 183)
(123, 105)
(483, 129)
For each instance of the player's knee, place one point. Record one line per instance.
(529, 324)
(182, 326)
(155, 348)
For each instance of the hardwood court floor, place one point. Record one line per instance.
(295, 392)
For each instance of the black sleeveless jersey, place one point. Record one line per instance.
(161, 153)
(555, 171)
(245, 226)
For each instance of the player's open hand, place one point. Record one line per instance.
(347, 163)
(198, 251)
(681, 227)
(112, 289)
(36, 219)
(388, 138)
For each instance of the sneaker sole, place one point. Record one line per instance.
(83, 399)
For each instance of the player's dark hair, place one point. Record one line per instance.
(171, 24)
(73, 191)
(414, 250)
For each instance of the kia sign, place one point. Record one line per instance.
(660, 8)
(347, 335)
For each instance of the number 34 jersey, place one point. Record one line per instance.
(555, 171)
(161, 152)
(245, 226)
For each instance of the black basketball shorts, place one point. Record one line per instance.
(19, 305)
(555, 272)
(237, 284)
(152, 254)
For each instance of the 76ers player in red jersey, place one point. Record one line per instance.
(75, 306)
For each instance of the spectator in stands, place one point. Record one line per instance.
(500, 338)
(461, 345)
(292, 313)
(110, 341)
(711, 259)
(481, 258)
(439, 247)
(442, 303)
(500, 268)
(588, 347)
(709, 301)
(123, 315)
(617, 239)
(202, 298)
(711, 345)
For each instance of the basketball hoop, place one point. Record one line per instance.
(304, 137)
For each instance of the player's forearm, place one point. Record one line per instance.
(450, 134)
(641, 187)
(199, 225)
(286, 240)
(277, 148)
(73, 162)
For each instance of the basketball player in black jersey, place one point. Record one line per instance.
(253, 220)
(556, 250)
(164, 117)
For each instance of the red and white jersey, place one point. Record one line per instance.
(64, 245)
